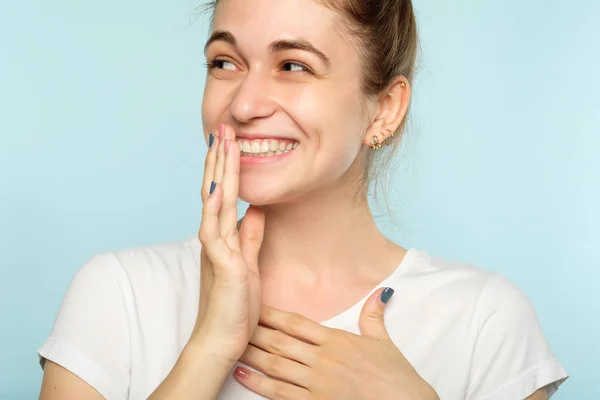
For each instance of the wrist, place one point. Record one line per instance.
(199, 372)
(206, 346)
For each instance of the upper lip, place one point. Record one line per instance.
(259, 135)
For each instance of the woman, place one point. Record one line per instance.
(303, 95)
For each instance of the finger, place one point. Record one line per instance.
(231, 180)
(278, 343)
(280, 368)
(251, 236)
(294, 324)
(209, 168)
(371, 321)
(209, 233)
(219, 167)
(268, 387)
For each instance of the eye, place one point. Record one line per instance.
(295, 67)
(220, 64)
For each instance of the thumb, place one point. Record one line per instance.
(371, 317)
(251, 235)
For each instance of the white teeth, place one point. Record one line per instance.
(264, 146)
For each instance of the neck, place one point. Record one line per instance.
(322, 233)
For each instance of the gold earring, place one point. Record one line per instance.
(403, 84)
(375, 143)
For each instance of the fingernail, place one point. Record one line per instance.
(386, 295)
(242, 372)
(226, 145)
(213, 185)
(211, 140)
(222, 131)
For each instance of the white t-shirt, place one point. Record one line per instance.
(468, 332)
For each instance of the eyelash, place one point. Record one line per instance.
(212, 64)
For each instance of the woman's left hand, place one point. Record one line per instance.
(306, 360)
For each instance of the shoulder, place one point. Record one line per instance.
(167, 256)
(176, 259)
(493, 323)
(140, 272)
(466, 285)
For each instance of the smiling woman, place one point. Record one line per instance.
(321, 56)
(302, 98)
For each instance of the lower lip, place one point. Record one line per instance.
(253, 160)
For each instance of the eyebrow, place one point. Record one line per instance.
(278, 45)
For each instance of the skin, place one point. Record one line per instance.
(315, 239)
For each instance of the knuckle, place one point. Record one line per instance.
(208, 161)
(228, 204)
(303, 395)
(296, 323)
(318, 358)
(269, 314)
(205, 212)
(274, 364)
(374, 315)
(204, 236)
(279, 391)
(260, 382)
(279, 342)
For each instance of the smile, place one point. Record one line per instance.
(266, 147)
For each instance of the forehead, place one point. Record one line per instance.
(259, 22)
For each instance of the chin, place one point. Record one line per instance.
(262, 191)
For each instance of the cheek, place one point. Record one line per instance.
(327, 109)
(344, 151)
(213, 106)
(343, 140)
(334, 121)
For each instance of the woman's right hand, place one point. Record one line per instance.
(230, 294)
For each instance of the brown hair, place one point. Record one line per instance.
(386, 37)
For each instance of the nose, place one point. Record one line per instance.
(253, 99)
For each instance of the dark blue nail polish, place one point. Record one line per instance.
(211, 140)
(213, 185)
(386, 295)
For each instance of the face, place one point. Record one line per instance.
(287, 77)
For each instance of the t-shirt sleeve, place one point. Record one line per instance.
(512, 358)
(90, 335)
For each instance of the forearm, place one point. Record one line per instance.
(198, 374)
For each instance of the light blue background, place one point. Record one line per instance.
(101, 149)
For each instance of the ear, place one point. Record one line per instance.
(391, 109)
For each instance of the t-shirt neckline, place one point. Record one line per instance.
(342, 319)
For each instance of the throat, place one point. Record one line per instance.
(318, 305)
